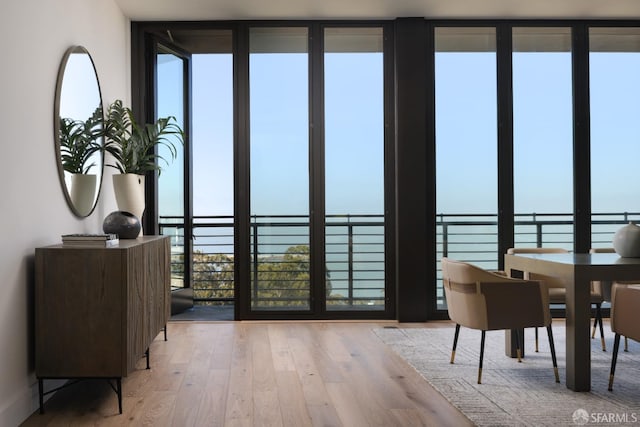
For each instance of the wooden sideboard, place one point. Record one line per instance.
(98, 309)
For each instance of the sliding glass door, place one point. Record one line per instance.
(213, 174)
(543, 137)
(278, 202)
(317, 199)
(194, 83)
(279, 168)
(466, 147)
(354, 168)
(614, 81)
(172, 100)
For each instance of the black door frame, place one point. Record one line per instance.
(143, 100)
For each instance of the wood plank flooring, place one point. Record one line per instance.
(290, 374)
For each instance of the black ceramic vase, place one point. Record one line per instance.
(125, 224)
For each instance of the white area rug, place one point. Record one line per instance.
(521, 394)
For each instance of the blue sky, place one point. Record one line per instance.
(80, 93)
(615, 136)
(79, 98)
(279, 134)
(466, 133)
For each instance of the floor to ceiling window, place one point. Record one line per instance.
(466, 146)
(542, 137)
(333, 166)
(195, 195)
(311, 109)
(614, 81)
(354, 168)
(309, 143)
(279, 168)
(212, 166)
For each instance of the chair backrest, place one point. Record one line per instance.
(602, 288)
(480, 299)
(602, 251)
(605, 286)
(549, 281)
(537, 251)
(625, 305)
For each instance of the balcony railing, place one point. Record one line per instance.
(354, 252)
(474, 238)
(354, 260)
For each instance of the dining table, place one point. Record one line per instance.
(578, 270)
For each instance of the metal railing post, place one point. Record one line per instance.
(539, 235)
(445, 238)
(350, 258)
(254, 262)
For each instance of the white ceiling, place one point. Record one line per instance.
(189, 10)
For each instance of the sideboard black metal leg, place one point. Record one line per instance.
(165, 331)
(119, 392)
(41, 394)
(147, 354)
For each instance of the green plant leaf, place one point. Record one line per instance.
(134, 147)
(79, 140)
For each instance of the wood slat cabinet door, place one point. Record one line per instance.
(98, 309)
(158, 277)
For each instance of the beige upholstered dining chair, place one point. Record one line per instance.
(557, 288)
(625, 304)
(605, 289)
(483, 300)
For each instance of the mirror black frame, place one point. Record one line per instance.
(97, 141)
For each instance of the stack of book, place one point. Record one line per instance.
(99, 240)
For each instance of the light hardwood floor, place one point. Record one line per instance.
(262, 374)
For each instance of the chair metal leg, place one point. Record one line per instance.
(553, 353)
(481, 357)
(599, 321)
(614, 357)
(455, 343)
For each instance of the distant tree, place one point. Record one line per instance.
(282, 280)
(285, 280)
(177, 270)
(213, 275)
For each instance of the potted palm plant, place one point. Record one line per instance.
(134, 151)
(79, 142)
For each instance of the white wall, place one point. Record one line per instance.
(33, 210)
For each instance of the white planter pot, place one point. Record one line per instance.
(83, 192)
(626, 241)
(129, 191)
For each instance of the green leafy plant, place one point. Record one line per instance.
(79, 140)
(134, 147)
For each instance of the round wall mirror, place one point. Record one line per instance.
(78, 125)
